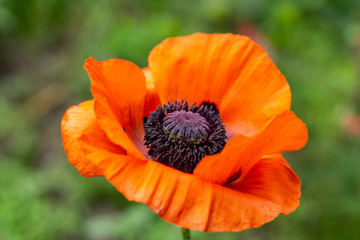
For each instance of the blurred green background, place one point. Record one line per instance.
(43, 44)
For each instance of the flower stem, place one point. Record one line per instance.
(186, 234)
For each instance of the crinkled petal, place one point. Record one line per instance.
(181, 198)
(285, 132)
(273, 179)
(229, 70)
(119, 90)
(80, 122)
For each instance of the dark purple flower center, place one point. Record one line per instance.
(179, 136)
(189, 126)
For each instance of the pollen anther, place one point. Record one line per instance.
(179, 136)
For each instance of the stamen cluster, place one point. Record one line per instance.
(179, 135)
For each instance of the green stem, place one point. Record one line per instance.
(186, 234)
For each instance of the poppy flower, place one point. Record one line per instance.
(197, 136)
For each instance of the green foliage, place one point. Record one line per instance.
(43, 45)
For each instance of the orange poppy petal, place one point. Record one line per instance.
(79, 122)
(182, 198)
(260, 93)
(285, 132)
(119, 90)
(152, 100)
(272, 178)
(229, 70)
